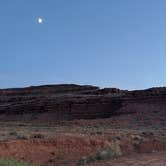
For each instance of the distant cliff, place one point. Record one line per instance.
(54, 103)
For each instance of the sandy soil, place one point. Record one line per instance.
(149, 159)
(141, 141)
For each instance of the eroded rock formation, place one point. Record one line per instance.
(68, 101)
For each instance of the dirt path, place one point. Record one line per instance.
(149, 159)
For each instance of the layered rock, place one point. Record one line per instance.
(69, 101)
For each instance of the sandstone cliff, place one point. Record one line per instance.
(53, 103)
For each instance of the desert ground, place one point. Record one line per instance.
(136, 137)
(68, 143)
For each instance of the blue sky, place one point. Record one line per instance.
(108, 43)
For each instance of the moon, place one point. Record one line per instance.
(40, 20)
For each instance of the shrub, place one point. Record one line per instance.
(13, 162)
(86, 160)
(112, 150)
(22, 137)
(37, 136)
(106, 154)
(13, 133)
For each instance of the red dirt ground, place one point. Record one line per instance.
(147, 159)
(67, 149)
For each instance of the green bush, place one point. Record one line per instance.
(13, 162)
(104, 154)
(86, 160)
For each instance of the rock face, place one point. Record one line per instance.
(53, 103)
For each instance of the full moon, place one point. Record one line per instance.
(40, 20)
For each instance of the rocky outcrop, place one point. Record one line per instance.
(69, 101)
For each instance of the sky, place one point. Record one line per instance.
(107, 43)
